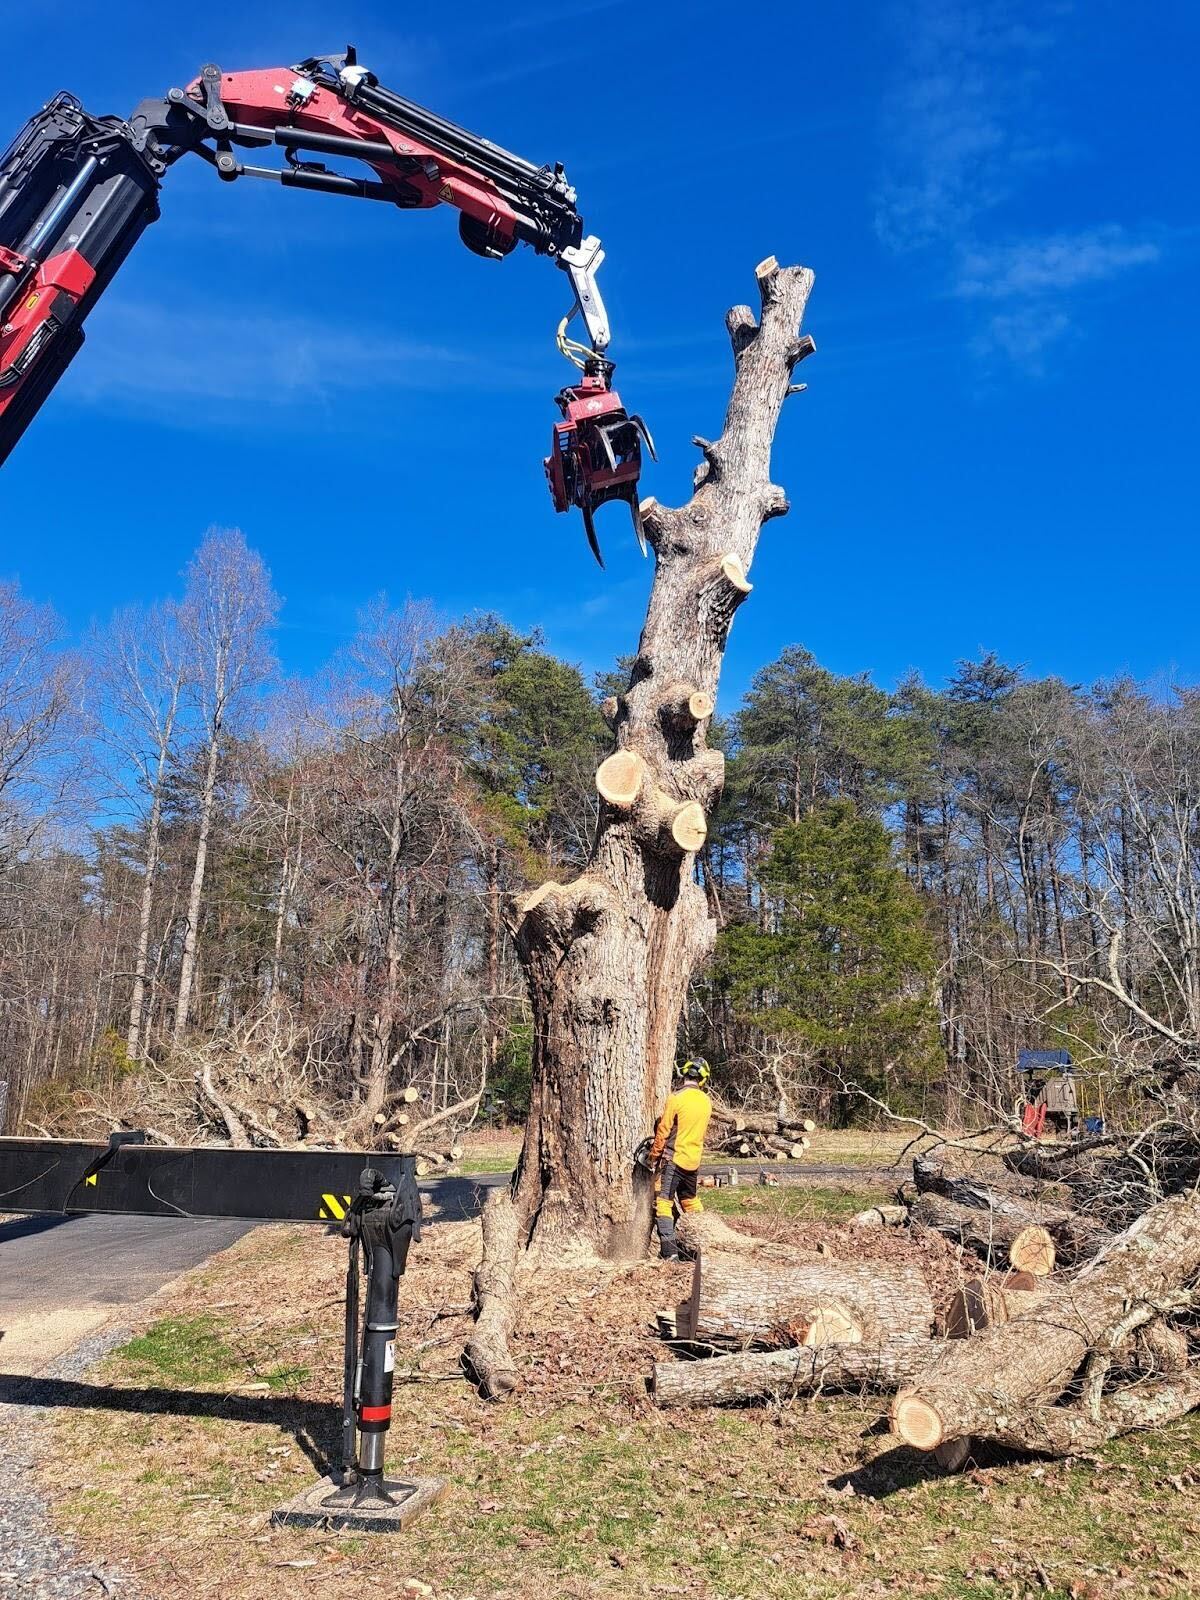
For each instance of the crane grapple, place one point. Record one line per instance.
(76, 192)
(596, 452)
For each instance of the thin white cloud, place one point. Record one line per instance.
(188, 366)
(962, 123)
(1061, 261)
(1023, 336)
(966, 125)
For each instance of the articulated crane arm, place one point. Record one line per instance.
(77, 191)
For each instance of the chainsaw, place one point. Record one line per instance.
(641, 1156)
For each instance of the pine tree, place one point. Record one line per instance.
(845, 962)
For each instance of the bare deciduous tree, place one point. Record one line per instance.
(142, 669)
(227, 614)
(609, 956)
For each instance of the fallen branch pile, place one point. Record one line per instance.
(1091, 1335)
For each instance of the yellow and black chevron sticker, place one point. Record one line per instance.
(334, 1208)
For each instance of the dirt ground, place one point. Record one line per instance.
(185, 1439)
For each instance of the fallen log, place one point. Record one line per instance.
(736, 1303)
(980, 1386)
(793, 1149)
(1069, 1430)
(993, 1235)
(1076, 1238)
(776, 1374)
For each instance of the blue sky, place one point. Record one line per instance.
(998, 444)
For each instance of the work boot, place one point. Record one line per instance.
(668, 1249)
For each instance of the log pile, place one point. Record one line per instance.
(1062, 1334)
(762, 1135)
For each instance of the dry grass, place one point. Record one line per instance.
(579, 1488)
(496, 1150)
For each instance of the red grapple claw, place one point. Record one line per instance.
(596, 454)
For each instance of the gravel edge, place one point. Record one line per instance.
(36, 1563)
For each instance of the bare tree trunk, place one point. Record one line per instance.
(608, 957)
(187, 965)
(137, 1000)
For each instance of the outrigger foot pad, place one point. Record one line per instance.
(367, 1504)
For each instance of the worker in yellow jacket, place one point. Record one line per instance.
(677, 1150)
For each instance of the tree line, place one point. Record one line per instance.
(235, 905)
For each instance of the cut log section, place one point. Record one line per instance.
(776, 1374)
(759, 1133)
(993, 1235)
(738, 1303)
(1076, 1238)
(985, 1302)
(982, 1386)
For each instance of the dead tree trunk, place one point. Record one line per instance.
(608, 957)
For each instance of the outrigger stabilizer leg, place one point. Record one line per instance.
(381, 1224)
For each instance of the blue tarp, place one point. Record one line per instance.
(1038, 1060)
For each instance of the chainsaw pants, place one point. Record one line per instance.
(673, 1187)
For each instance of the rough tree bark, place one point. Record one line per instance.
(736, 1303)
(754, 1375)
(608, 957)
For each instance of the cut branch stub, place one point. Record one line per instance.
(689, 826)
(723, 587)
(767, 272)
(556, 912)
(610, 709)
(742, 326)
(619, 779)
(665, 825)
(685, 705)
